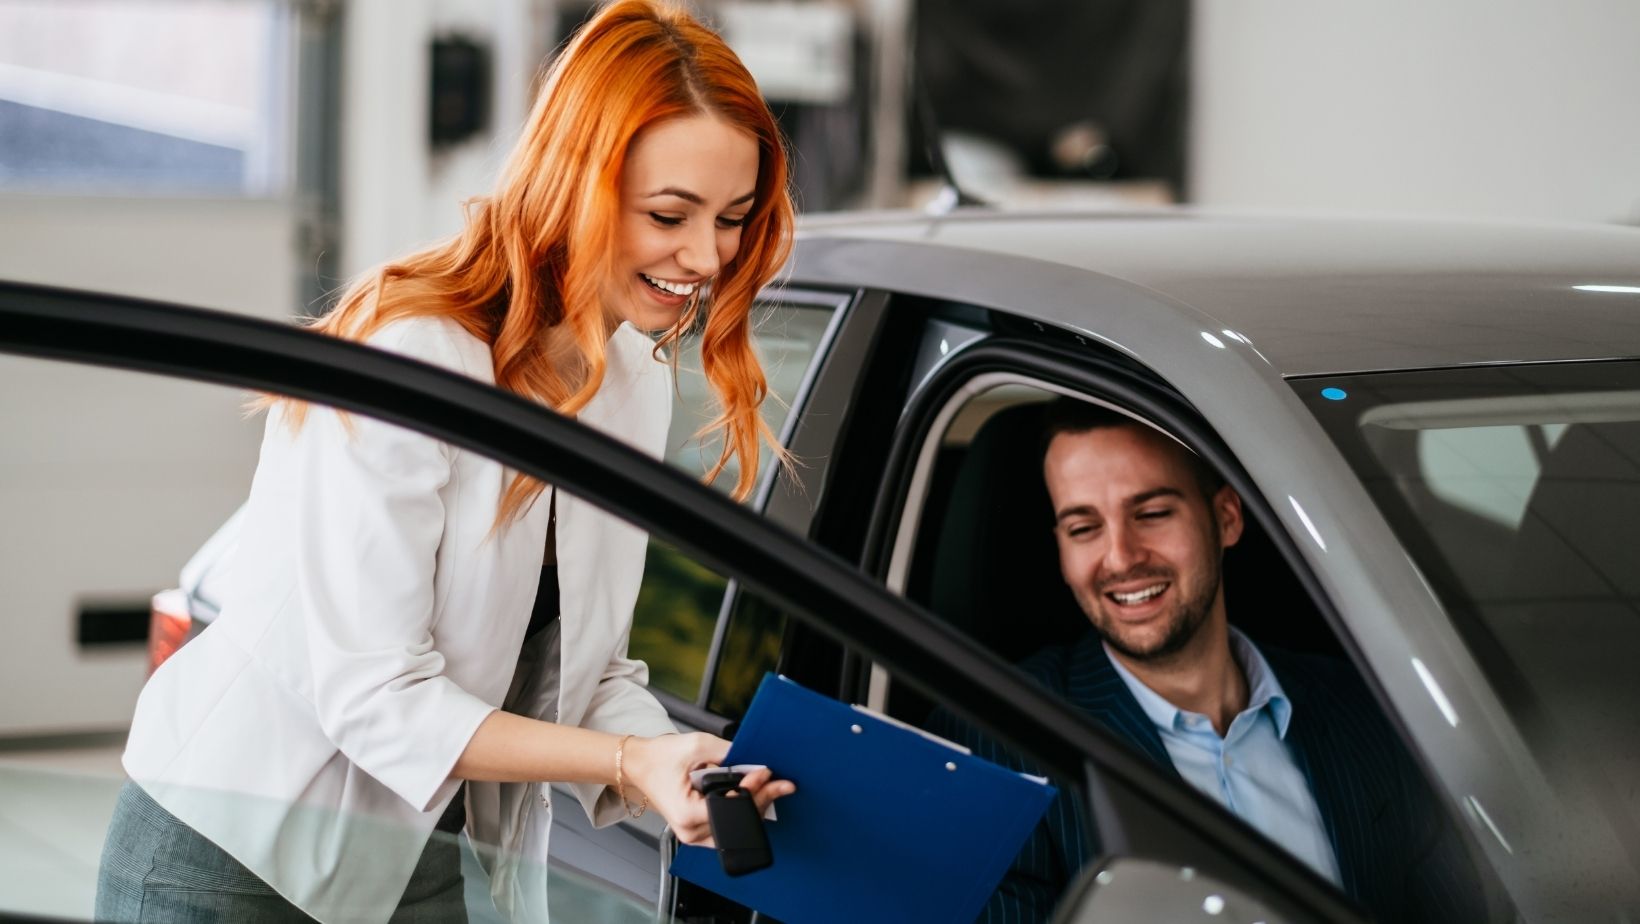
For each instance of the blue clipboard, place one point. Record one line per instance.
(887, 824)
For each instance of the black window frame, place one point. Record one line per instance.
(1126, 814)
(824, 591)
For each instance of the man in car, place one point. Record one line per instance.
(1291, 744)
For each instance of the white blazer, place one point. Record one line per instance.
(370, 621)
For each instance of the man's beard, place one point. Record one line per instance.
(1183, 623)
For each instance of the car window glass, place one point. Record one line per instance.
(110, 481)
(679, 603)
(989, 554)
(1516, 490)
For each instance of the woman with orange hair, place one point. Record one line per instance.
(413, 637)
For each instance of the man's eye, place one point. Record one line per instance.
(1155, 514)
(1081, 530)
(670, 221)
(730, 223)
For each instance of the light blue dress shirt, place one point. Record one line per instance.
(1251, 770)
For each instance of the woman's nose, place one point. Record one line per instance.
(699, 253)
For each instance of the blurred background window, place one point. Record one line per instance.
(1033, 96)
(146, 96)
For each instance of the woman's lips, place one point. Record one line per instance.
(668, 299)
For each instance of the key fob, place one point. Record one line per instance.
(737, 828)
(742, 844)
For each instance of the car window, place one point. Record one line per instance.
(109, 482)
(680, 602)
(1516, 491)
(989, 554)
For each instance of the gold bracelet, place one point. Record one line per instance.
(620, 784)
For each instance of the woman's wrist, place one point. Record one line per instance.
(632, 763)
(637, 761)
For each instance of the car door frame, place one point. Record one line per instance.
(816, 586)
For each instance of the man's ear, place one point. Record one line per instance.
(1227, 510)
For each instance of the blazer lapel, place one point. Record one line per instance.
(1094, 685)
(1341, 777)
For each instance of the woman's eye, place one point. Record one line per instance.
(729, 223)
(670, 221)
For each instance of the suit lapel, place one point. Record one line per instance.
(1094, 685)
(1340, 774)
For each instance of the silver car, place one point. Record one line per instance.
(1435, 429)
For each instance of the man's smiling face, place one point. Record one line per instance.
(1140, 545)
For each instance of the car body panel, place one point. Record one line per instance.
(1323, 295)
(1555, 849)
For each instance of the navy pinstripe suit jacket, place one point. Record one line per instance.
(1400, 859)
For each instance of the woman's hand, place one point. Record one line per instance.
(659, 768)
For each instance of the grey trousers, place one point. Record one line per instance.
(155, 868)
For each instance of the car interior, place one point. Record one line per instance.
(986, 559)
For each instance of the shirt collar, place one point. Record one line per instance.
(1263, 690)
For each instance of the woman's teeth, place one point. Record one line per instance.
(673, 288)
(1138, 596)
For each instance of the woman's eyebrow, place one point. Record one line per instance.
(688, 196)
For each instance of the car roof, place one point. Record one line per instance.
(1319, 295)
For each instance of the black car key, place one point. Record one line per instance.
(737, 828)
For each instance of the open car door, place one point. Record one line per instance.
(1160, 824)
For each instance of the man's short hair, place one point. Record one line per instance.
(1064, 415)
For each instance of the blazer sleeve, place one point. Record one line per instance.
(366, 544)
(621, 705)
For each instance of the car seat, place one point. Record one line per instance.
(995, 565)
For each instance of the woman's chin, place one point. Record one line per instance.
(652, 312)
(652, 322)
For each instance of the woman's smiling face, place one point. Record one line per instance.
(685, 192)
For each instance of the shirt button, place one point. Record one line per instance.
(1227, 760)
(545, 802)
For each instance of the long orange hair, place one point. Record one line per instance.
(525, 274)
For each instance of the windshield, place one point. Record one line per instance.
(1517, 491)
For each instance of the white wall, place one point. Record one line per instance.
(232, 254)
(1520, 108)
(398, 195)
(110, 480)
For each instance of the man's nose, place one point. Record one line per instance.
(699, 253)
(1123, 550)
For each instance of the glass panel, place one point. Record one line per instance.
(1517, 490)
(145, 96)
(109, 483)
(751, 648)
(678, 607)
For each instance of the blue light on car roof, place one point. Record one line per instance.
(1334, 394)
